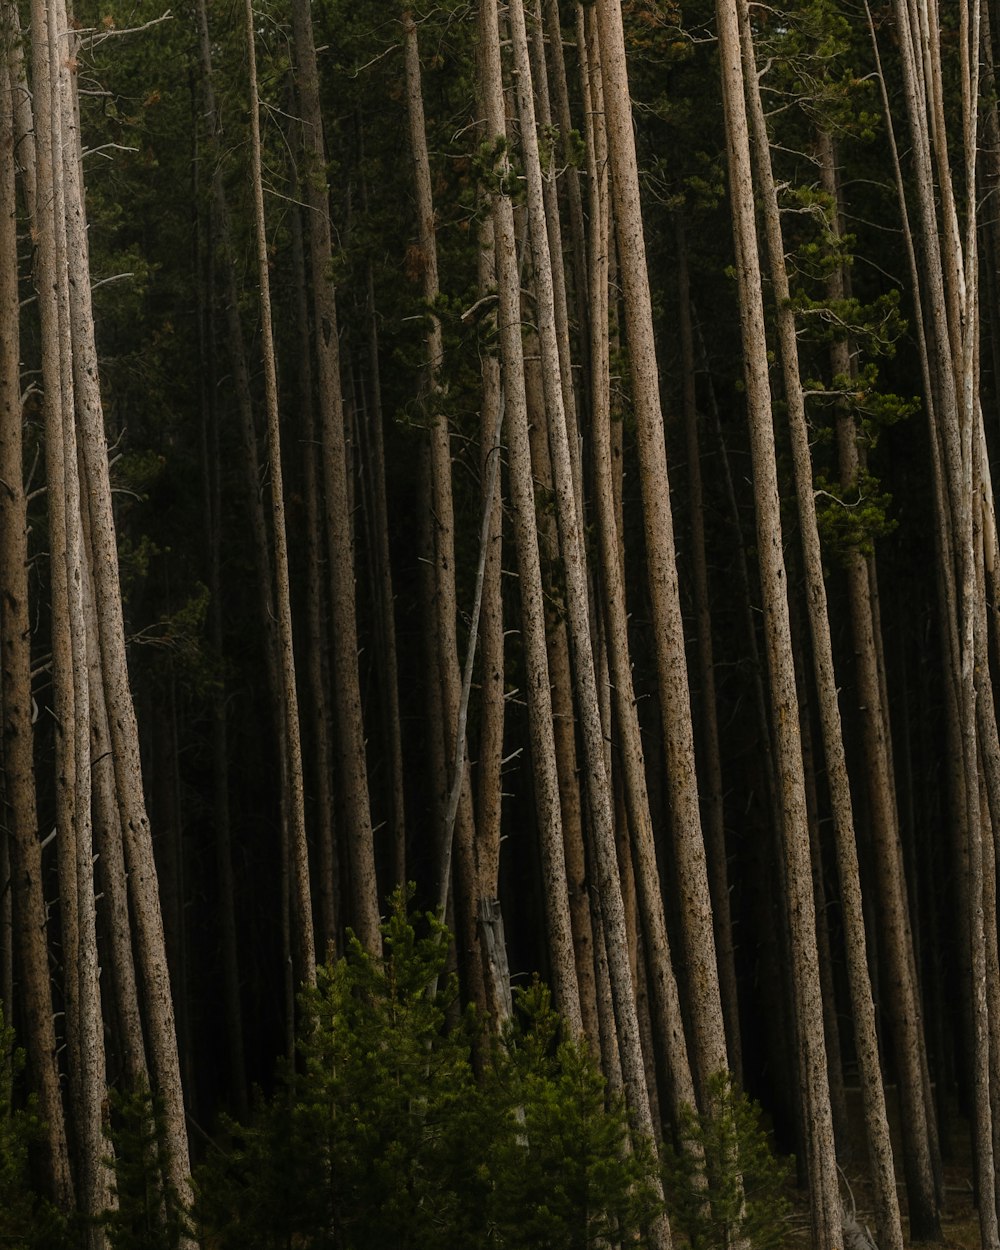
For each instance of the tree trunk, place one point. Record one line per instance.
(15, 660)
(538, 693)
(304, 941)
(711, 766)
(820, 1153)
(709, 1039)
(873, 1095)
(103, 554)
(577, 610)
(340, 546)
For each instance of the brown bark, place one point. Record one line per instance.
(708, 1031)
(820, 1153)
(340, 546)
(28, 910)
(710, 769)
(294, 814)
(577, 612)
(538, 692)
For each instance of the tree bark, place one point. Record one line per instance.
(709, 1039)
(538, 692)
(820, 1152)
(340, 546)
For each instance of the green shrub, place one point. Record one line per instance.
(724, 1186)
(27, 1220)
(565, 1175)
(148, 1214)
(384, 1138)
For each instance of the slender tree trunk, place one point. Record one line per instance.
(820, 1153)
(491, 729)
(539, 698)
(318, 700)
(15, 660)
(444, 516)
(96, 488)
(389, 668)
(709, 1040)
(569, 522)
(669, 1029)
(350, 726)
(873, 1096)
(711, 768)
(304, 940)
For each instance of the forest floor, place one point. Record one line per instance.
(959, 1220)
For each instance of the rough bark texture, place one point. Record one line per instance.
(526, 539)
(820, 1153)
(709, 1038)
(340, 546)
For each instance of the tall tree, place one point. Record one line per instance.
(820, 1152)
(340, 546)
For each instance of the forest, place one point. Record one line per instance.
(499, 582)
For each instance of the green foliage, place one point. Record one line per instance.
(724, 1184)
(852, 519)
(582, 1185)
(148, 1214)
(27, 1221)
(384, 1137)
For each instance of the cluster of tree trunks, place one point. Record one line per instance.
(626, 805)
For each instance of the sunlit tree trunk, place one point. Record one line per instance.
(665, 1005)
(95, 488)
(29, 925)
(709, 1039)
(577, 612)
(538, 693)
(876, 1123)
(821, 1156)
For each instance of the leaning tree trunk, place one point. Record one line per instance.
(340, 546)
(577, 611)
(708, 1033)
(103, 559)
(462, 834)
(711, 766)
(873, 1094)
(305, 944)
(820, 1152)
(538, 693)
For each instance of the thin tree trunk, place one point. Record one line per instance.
(539, 698)
(96, 488)
(711, 767)
(667, 1018)
(318, 698)
(340, 546)
(28, 905)
(709, 1039)
(820, 1152)
(389, 668)
(444, 543)
(298, 849)
(569, 522)
(873, 1096)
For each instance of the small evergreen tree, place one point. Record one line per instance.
(566, 1176)
(27, 1220)
(148, 1214)
(385, 1139)
(724, 1185)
